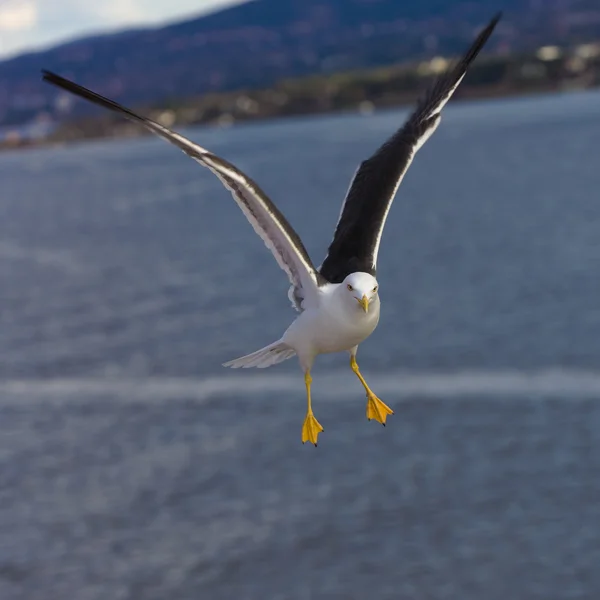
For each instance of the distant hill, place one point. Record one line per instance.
(255, 43)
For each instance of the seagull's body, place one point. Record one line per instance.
(331, 322)
(333, 325)
(338, 303)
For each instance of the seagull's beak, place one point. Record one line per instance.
(364, 302)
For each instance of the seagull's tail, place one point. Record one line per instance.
(265, 357)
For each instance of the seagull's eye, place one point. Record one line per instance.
(350, 288)
(375, 288)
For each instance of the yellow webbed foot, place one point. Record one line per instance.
(311, 429)
(377, 409)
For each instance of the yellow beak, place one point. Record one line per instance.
(364, 302)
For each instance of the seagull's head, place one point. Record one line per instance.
(362, 287)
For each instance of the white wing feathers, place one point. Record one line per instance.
(268, 222)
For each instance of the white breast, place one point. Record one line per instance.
(332, 326)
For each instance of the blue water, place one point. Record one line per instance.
(133, 466)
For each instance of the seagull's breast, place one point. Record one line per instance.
(332, 326)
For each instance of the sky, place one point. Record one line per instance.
(32, 24)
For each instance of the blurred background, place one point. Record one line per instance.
(134, 467)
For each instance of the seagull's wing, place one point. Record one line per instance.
(356, 240)
(268, 222)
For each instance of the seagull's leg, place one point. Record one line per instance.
(311, 427)
(376, 409)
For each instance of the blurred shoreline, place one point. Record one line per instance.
(549, 69)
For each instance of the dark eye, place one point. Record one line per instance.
(350, 288)
(375, 289)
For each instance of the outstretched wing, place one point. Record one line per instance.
(356, 240)
(268, 222)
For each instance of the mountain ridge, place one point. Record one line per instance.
(256, 43)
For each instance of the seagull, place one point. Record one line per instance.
(339, 301)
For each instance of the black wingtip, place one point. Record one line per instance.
(487, 31)
(70, 86)
(53, 78)
(489, 28)
(49, 76)
(86, 94)
(495, 18)
(476, 47)
(492, 24)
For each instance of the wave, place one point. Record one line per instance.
(44, 257)
(334, 386)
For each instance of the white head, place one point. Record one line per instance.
(362, 287)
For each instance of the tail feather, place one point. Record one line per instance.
(265, 357)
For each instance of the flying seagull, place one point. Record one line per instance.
(338, 302)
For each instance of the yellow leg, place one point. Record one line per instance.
(376, 409)
(311, 427)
